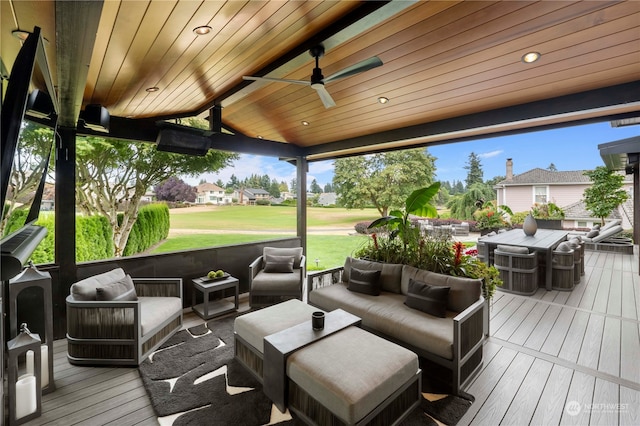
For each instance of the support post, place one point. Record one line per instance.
(302, 167)
(65, 208)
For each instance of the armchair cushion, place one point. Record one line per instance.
(155, 310)
(512, 249)
(274, 263)
(367, 282)
(428, 299)
(121, 290)
(296, 252)
(86, 289)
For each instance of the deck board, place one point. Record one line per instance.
(526, 399)
(552, 401)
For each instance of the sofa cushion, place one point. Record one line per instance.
(390, 273)
(387, 314)
(274, 263)
(121, 290)
(296, 252)
(426, 298)
(276, 283)
(86, 289)
(155, 310)
(367, 282)
(512, 249)
(464, 292)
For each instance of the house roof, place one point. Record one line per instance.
(451, 70)
(256, 191)
(543, 176)
(578, 210)
(205, 187)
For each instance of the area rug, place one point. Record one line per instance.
(193, 379)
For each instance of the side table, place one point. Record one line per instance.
(213, 308)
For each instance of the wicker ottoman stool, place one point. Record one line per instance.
(250, 330)
(353, 377)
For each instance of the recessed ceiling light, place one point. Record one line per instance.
(202, 30)
(152, 89)
(305, 123)
(530, 57)
(260, 137)
(383, 100)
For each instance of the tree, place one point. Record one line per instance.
(383, 180)
(474, 167)
(174, 189)
(220, 183)
(274, 189)
(552, 168)
(283, 187)
(328, 188)
(294, 185)
(113, 175)
(233, 182)
(463, 205)
(28, 164)
(315, 188)
(605, 193)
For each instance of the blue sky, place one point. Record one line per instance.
(570, 148)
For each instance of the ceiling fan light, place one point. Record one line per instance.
(305, 123)
(383, 100)
(202, 30)
(530, 57)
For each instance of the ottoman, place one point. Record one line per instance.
(353, 377)
(250, 330)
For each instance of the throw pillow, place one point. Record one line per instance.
(428, 298)
(121, 290)
(592, 234)
(366, 282)
(280, 264)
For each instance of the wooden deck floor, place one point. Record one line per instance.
(545, 351)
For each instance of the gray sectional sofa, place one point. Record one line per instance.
(454, 341)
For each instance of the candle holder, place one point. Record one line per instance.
(40, 282)
(25, 390)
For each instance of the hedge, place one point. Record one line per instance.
(151, 227)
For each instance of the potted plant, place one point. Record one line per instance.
(489, 218)
(547, 215)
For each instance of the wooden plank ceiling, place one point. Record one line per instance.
(442, 60)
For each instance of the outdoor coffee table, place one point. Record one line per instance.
(213, 308)
(278, 346)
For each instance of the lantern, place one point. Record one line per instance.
(25, 391)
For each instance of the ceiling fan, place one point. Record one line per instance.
(318, 81)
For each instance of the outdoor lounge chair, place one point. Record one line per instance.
(602, 235)
(276, 276)
(113, 319)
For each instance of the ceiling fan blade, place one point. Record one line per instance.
(278, 80)
(325, 97)
(362, 66)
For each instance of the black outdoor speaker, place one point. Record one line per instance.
(182, 142)
(96, 117)
(39, 104)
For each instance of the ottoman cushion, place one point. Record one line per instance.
(254, 326)
(352, 371)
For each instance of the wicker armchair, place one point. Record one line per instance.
(518, 269)
(121, 331)
(270, 286)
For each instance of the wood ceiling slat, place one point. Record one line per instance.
(103, 36)
(464, 66)
(253, 56)
(168, 46)
(227, 51)
(152, 22)
(188, 48)
(124, 30)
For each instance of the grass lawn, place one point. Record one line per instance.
(330, 250)
(256, 218)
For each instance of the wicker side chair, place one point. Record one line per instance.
(270, 285)
(121, 331)
(518, 269)
(563, 268)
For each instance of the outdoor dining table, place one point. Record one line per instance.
(544, 240)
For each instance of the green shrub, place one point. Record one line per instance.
(518, 218)
(263, 202)
(94, 239)
(151, 227)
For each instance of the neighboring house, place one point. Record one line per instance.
(212, 194)
(149, 196)
(249, 196)
(563, 188)
(327, 199)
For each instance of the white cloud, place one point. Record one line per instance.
(491, 153)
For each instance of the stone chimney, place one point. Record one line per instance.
(509, 169)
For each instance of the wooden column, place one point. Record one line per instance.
(302, 167)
